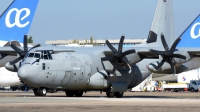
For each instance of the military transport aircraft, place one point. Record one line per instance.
(15, 21)
(111, 70)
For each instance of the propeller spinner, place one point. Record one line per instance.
(168, 54)
(118, 54)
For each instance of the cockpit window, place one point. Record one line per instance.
(37, 55)
(31, 55)
(46, 55)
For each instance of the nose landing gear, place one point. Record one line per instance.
(40, 91)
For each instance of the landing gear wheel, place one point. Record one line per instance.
(192, 89)
(78, 93)
(42, 91)
(69, 93)
(36, 92)
(109, 93)
(119, 94)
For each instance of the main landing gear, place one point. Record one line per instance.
(70, 93)
(111, 94)
(40, 91)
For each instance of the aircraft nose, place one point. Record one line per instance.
(27, 72)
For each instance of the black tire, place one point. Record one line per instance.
(36, 92)
(42, 92)
(109, 93)
(69, 93)
(192, 89)
(197, 90)
(78, 93)
(14, 89)
(119, 94)
(22, 88)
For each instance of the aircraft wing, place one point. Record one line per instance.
(7, 51)
(193, 51)
(145, 53)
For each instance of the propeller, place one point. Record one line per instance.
(22, 53)
(118, 54)
(168, 54)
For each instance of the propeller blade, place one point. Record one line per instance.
(164, 42)
(125, 63)
(38, 45)
(103, 65)
(161, 63)
(175, 43)
(156, 52)
(15, 61)
(107, 58)
(110, 46)
(113, 71)
(18, 50)
(128, 52)
(179, 56)
(172, 66)
(121, 44)
(25, 43)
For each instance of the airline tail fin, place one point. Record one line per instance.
(16, 20)
(163, 23)
(190, 36)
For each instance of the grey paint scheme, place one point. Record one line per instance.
(79, 70)
(65, 70)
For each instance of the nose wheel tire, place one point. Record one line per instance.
(40, 92)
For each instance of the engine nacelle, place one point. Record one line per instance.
(164, 69)
(184, 53)
(134, 60)
(13, 68)
(98, 80)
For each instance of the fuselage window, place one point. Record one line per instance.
(49, 55)
(46, 57)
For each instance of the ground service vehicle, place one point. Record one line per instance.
(193, 86)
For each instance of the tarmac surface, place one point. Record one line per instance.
(95, 102)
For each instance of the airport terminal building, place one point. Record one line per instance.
(127, 42)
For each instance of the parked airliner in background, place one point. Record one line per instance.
(8, 78)
(15, 22)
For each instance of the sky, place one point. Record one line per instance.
(102, 19)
